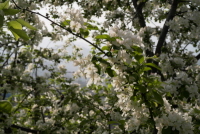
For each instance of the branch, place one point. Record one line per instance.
(139, 13)
(164, 32)
(198, 56)
(25, 129)
(68, 30)
(144, 97)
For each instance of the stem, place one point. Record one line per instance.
(155, 131)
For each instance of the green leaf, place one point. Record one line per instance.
(167, 130)
(10, 11)
(110, 72)
(4, 5)
(139, 58)
(65, 23)
(137, 49)
(15, 25)
(98, 68)
(90, 26)
(22, 34)
(5, 106)
(106, 48)
(15, 35)
(1, 20)
(26, 24)
(103, 36)
(157, 97)
(147, 68)
(153, 65)
(142, 89)
(84, 32)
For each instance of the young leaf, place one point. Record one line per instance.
(4, 5)
(153, 65)
(15, 25)
(139, 58)
(146, 69)
(10, 11)
(106, 48)
(65, 23)
(26, 24)
(20, 33)
(103, 36)
(5, 106)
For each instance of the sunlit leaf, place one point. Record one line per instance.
(147, 69)
(26, 24)
(103, 36)
(15, 25)
(105, 48)
(4, 5)
(66, 23)
(153, 65)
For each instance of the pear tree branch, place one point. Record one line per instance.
(68, 30)
(165, 29)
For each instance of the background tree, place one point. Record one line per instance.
(142, 77)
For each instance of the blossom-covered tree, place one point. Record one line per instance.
(142, 76)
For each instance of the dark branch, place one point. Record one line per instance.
(139, 13)
(165, 29)
(68, 30)
(198, 56)
(25, 129)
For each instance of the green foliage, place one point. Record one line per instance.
(26, 24)
(5, 106)
(4, 5)
(10, 11)
(130, 89)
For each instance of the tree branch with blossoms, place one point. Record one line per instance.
(165, 29)
(68, 30)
